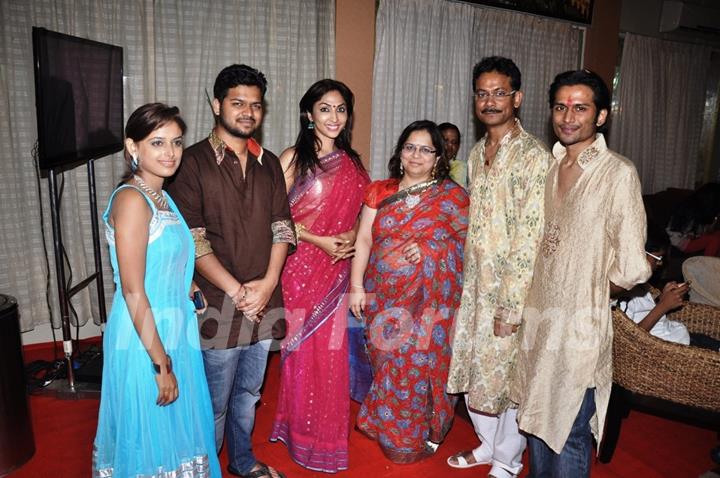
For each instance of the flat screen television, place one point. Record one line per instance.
(78, 98)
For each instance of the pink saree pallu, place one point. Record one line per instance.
(313, 411)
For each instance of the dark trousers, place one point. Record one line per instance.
(704, 342)
(574, 459)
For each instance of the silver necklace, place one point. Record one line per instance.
(158, 198)
(412, 200)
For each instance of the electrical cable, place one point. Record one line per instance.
(34, 152)
(68, 281)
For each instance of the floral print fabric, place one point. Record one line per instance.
(506, 220)
(409, 314)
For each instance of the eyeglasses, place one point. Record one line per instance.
(657, 258)
(410, 148)
(499, 95)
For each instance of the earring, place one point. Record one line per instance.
(134, 162)
(434, 170)
(311, 125)
(402, 170)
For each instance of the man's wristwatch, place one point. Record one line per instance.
(168, 367)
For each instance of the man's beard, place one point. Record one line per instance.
(233, 130)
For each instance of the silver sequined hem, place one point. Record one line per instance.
(197, 467)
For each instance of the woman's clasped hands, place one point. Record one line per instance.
(340, 246)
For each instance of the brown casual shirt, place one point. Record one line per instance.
(238, 219)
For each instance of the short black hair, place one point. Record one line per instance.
(601, 93)
(657, 239)
(446, 126)
(236, 75)
(501, 65)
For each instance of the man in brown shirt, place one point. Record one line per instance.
(232, 195)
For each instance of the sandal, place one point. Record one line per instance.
(499, 472)
(263, 471)
(431, 446)
(461, 460)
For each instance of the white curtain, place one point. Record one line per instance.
(658, 110)
(172, 52)
(424, 54)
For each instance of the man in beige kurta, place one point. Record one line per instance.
(594, 234)
(507, 168)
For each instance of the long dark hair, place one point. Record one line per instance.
(307, 144)
(442, 170)
(144, 121)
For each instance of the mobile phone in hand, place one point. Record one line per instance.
(198, 300)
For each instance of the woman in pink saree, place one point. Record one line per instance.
(327, 183)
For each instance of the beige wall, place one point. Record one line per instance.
(602, 38)
(354, 51)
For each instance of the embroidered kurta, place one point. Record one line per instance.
(506, 217)
(594, 235)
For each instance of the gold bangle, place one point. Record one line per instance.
(299, 229)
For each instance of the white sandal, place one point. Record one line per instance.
(432, 446)
(462, 461)
(500, 472)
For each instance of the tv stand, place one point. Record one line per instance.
(71, 389)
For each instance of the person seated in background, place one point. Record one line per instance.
(451, 141)
(695, 224)
(651, 315)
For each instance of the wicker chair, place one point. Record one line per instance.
(667, 379)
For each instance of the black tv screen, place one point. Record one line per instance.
(78, 98)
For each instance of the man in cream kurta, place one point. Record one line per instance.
(508, 167)
(594, 234)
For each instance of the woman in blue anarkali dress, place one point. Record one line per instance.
(155, 416)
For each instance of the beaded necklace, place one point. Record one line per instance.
(158, 198)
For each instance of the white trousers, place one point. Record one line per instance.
(502, 443)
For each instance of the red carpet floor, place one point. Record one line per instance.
(648, 447)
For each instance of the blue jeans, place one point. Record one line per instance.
(574, 459)
(234, 377)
